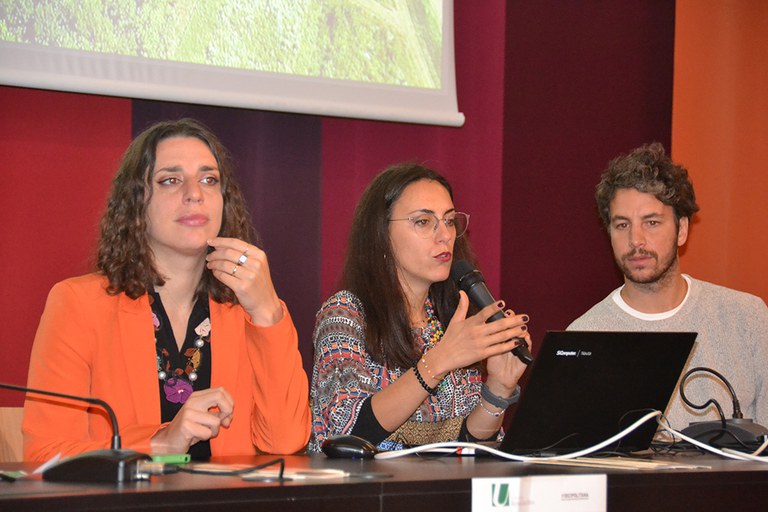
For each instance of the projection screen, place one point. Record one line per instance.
(372, 59)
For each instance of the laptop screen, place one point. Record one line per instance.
(585, 387)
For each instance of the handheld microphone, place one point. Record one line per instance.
(109, 466)
(471, 281)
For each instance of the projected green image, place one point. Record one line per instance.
(393, 42)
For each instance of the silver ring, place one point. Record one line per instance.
(234, 270)
(242, 259)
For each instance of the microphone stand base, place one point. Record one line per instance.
(100, 466)
(738, 432)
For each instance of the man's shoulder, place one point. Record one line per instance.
(727, 296)
(598, 316)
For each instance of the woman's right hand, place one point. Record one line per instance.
(470, 340)
(199, 419)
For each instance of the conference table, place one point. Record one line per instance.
(411, 483)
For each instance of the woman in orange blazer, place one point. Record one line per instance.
(180, 330)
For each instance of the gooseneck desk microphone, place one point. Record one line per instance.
(107, 466)
(471, 281)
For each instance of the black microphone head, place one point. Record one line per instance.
(459, 269)
(465, 275)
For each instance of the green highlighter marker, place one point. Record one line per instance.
(171, 458)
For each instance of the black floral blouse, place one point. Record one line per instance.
(180, 372)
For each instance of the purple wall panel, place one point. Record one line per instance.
(585, 81)
(277, 158)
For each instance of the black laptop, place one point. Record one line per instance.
(585, 387)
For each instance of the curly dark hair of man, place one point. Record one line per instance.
(370, 271)
(647, 169)
(124, 254)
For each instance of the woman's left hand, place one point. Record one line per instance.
(244, 269)
(504, 370)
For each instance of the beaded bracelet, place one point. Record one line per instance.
(494, 414)
(426, 367)
(431, 391)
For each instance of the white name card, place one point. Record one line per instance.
(559, 493)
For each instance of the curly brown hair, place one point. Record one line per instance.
(370, 272)
(647, 169)
(124, 254)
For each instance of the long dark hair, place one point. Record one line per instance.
(370, 272)
(124, 254)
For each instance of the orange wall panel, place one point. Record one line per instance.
(720, 133)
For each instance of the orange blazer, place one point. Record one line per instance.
(90, 343)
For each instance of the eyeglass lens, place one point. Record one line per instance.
(426, 225)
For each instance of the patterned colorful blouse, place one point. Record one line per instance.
(345, 376)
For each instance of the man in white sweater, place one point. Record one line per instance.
(646, 202)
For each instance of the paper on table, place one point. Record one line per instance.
(620, 463)
(299, 474)
(270, 473)
(50, 463)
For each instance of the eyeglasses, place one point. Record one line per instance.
(425, 224)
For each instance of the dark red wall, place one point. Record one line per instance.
(354, 151)
(551, 91)
(59, 152)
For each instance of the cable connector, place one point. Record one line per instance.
(147, 468)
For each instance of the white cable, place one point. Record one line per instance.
(749, 456)
(762, 446)
(754, 455)
(429, 447)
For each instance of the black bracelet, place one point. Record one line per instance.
(431, 391)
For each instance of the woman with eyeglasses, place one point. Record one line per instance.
(398, 361)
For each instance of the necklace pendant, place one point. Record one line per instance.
(192, 376)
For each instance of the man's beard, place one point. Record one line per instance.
(662, 272)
